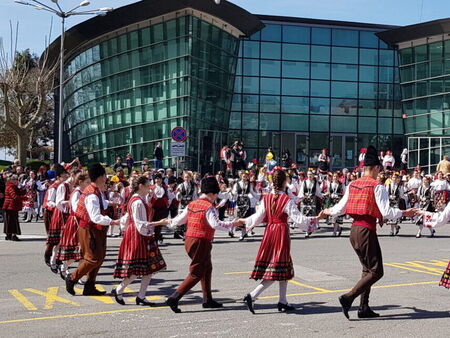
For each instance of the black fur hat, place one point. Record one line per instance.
(371, 158)
(210, 186)
(59, 170)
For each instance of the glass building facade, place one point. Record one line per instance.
(307, 86)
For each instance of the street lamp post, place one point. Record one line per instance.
(63, 15)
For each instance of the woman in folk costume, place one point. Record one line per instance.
(60, 215)
(69, 247)
(274, 262)
(29, 205)
(14, 196)
(160, 202)
(139, 255)
(440, 188)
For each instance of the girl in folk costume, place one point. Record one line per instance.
(274, 262)
(12, 205)
(362, 154)
(440, 188)
(139, 255)
(334, 194)
(309, 194)
(69, 247)
(59, 216)
(425, 197)
(172, 183)
(160, 202)
(388, 161)
(29, 205)
(114, 196)
(397, 199)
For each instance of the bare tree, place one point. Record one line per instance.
(26, 87)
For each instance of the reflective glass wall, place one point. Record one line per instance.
(125, 94)
(302, 87)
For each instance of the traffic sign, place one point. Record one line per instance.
(179, 134)
(177, 149)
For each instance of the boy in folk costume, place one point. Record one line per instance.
(334, 193)
(202, 221)
(425, 196)
(160, 201)
(397, 199)
(69, 246)
(93, 225)
(366, 201)
(274, 262)
(59, 216)
(186, 193)
(139, 255)
(309, 194)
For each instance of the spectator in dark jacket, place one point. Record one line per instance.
(158, 156)
(3, 176)
(130, 163)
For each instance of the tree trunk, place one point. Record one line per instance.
(22, 145)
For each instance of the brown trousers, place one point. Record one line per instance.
(93, 249)
(200, 270)
(365, 243)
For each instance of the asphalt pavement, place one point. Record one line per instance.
(33, 300)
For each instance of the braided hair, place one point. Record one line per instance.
(278, 181)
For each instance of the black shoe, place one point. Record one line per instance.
(285, 307)
(231, 234)
(249, 302)
(433, 232)
(397, 231)
(37, 218)
(346, 305)
(47, 260)
(212, 304)
(116, 297)
(340, 232)
(14, 238)
(62, 274)
(54, 269)
(367, 313)
(70, 284)
(7, 237)
(90, 290)
(176, 235)
(144, 302)
(173, 304)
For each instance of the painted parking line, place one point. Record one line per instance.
(308, 286)
(433, 267)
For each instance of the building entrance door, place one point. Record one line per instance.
(210, 142)
(297, 146)
(343, 152)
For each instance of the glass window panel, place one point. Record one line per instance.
(320, 71)
(367, 125)
(386, 57)
(320, 53)
(422, 88)
(344, 89)
(436, 86)
(406, 56)
(367, 108)
(296, 52)
(296, 34)
(295, 87)
(295, 69)
(320, 88)
(407, 73)
(368, 74)
(235, 120)
(270, 104)
(271, 33)
(368, 39)
(321, 36)
(319, 123)
(368, 90)
(422, 70)
(344, 107)
(436, 104)
(320, 106)
(386, 74)
(270, 50)
(270, 86)
(384, 126)
(251, 49)
(368, 56)
(398, 126)
(269, 121)
(251, 67)
(436, 67)
(345, 55)
(420, 53)
(250, 102)
(298, 105)
(294, 122)
(344, 72)
(250, 85)
(435, 50)
(250, 121)
(270, 68)
(342, 124)
(345, 37)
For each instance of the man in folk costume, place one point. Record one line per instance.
(396, 199)
(93, 225)
(309, 194)
(202, 221)
(186, 193)
(335, 191)
(59, 216)
(366, 202)
(425, 197)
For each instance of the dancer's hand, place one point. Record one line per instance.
(115, 222)
(420, 212)
(323, 214)
(161, 223)
(411, 212)
(238, 222)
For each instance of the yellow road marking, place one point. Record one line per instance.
(400, 266)
(309, 286)
(22, 299)
(51, 296)
(237, 273)
(104, 299)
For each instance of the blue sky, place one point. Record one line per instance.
(35, 25)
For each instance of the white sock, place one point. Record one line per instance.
(126, 281)
(29, 215)
(283, 292)
(66, 265)
(420, 229)
(336, 227)
(260, 288)
(54, 254)
(145, 281)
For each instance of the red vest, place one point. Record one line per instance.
(81, 213)
(13, 197)
(44, 204)
(361, 201)
(197, 224)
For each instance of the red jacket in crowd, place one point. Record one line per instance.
(14, 197)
